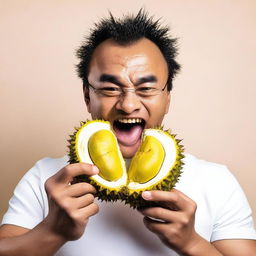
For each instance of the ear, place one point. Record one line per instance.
(168, 102)
(87, 98)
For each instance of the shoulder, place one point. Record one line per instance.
(212, 181)
(205, 170)
(51, 165)
(214, 186)
(45, 168)
(29, 203)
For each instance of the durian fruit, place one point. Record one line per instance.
(156, 165)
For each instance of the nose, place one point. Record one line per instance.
(129, 102)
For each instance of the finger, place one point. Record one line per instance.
(84, 201)
(88, 211)
(67, 174)
(159, 213)
(190, 205)
(154, 225)
(80, 189)
(81, 215)
(172, 199)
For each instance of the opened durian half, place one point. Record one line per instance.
(155, 166)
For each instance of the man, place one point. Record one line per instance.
(207, 213)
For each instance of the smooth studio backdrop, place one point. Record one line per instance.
(213, 101)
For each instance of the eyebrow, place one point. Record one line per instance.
(114, 79)
(146, 79)
(109, 78)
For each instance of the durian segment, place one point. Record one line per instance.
(103, 150)
(146, 163)
(169, 161)
(84, 149)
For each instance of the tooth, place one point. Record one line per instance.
(130, 120)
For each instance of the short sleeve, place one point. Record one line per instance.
(27, 203)
(233, 218)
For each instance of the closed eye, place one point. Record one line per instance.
(145, 89)
(110, 89)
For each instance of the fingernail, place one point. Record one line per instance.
(146, 195)
(95, 169)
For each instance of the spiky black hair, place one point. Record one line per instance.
(125, 31)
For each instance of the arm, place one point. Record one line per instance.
(174, 224)
(15, 240)
(70, 207)
(236, 247)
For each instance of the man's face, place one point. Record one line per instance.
(140, 64)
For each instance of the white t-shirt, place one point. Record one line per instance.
(222, 212)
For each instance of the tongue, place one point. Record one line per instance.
(128, 137)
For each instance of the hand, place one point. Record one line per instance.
(70, 206)
(173, 221)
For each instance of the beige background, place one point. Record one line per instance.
(213, 101)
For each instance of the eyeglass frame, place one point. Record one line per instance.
(123, 90)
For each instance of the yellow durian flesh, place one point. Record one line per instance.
(147, 161)
(102, 148)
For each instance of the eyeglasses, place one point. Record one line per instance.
(140, 91)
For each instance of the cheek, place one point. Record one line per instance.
(156, 109)
(158, 105)
(100, 108)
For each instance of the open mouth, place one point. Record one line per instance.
(128, 130)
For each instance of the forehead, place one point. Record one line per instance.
(142, 55)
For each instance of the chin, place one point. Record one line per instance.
(129, 152)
